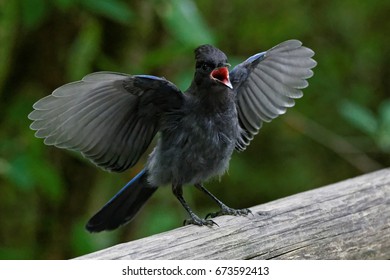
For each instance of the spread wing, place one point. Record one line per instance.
(267, 83)
(110, 118)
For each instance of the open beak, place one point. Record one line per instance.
(221, 75)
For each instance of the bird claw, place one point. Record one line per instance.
(199, 222)
(229, 211)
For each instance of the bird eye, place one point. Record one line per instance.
(206, 66)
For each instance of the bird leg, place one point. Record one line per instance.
(194, 219)
(225, 210)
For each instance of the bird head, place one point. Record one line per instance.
(211, 68)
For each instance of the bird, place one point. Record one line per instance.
(111, 119)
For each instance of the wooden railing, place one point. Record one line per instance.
(346, 220)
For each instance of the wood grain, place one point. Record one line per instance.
(346, 220)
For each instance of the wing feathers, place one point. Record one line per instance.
(100, 116)
(266, 84)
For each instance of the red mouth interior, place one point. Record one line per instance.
(221, 74)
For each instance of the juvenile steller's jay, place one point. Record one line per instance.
(111, 118)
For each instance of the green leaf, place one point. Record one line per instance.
(20, 174)
(184, 21)
(384, 126)
(384, 113)
(26, 174)
(360, 117)
(84, 50)
(48, 180)
(112, 9)
(33, 12)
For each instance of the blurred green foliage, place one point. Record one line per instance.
(342, 128)
(377, 127)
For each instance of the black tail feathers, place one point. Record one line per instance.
(122, 208)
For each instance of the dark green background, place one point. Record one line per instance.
(339, 129)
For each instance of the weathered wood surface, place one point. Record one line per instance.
(346, 220)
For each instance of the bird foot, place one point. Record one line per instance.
(195, 220)
(229, 211)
